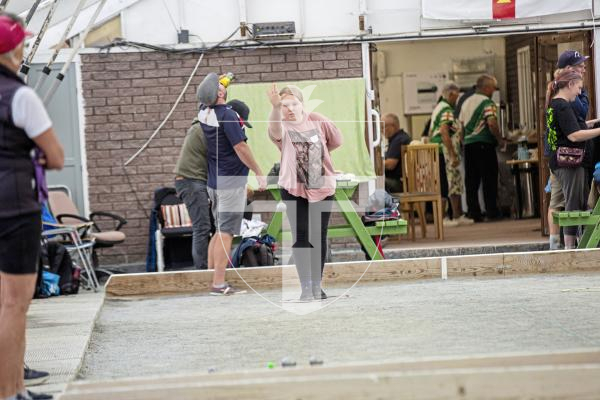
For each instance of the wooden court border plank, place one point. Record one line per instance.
(553, 375)
(348, 273)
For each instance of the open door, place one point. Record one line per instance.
(548, 48)
(379, 171)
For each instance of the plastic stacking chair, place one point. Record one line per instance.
(66, 213)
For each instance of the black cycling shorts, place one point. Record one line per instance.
(20, 239)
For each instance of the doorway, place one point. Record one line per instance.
(64, 113)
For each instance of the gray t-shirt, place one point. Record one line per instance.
(192, 162)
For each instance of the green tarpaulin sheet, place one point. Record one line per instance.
(340, 100)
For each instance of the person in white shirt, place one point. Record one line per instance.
(25, 129)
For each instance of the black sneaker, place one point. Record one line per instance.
(33, 377)
(35, 396)
(318, 293)
(227, 290)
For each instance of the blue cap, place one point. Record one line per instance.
(570, 57)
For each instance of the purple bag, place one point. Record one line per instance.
(569, 157)
(40, 176)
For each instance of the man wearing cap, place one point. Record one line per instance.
(574, 60)
(229, 159)
(190, 183)
(24, 127)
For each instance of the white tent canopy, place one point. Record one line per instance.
(63, 13)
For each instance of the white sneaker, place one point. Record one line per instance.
(464, 220)
(449, 223)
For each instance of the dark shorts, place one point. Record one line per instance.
(20, 243)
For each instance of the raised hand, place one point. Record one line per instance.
(273, 95)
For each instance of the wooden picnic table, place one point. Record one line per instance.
(589, 219)
(354, 226)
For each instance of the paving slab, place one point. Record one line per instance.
(58, 333)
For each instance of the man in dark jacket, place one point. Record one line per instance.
(396, 138)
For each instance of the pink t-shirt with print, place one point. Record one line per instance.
(306, 168)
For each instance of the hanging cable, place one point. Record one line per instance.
(47, 68)
(27, 63)
(32, 11)
(76, 48)
(137, 153)
(170, 16)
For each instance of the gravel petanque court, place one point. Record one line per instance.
(373, 322)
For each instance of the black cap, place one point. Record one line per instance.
(242, 109)
(570, 57)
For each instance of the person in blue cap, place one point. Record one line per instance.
(568, 60)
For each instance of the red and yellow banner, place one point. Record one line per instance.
(499, 9)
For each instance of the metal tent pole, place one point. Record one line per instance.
(32, 11)
(27, 63)
(61, 75)
(47, 68)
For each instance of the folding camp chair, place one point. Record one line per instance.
(78, 249)
(66, 213)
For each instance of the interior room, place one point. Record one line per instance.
(409, 76)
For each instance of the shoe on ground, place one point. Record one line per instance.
(476, 218)
(227, 290)
(449, 223)
(464, 220)
(318, 293)
(34, 377)
(320, 296)
(494, 218)
(307, 293)
(36, 396)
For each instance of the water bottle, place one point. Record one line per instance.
(226, 79)
(522, 151)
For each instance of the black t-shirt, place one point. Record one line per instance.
(562, 121)
(394, 150)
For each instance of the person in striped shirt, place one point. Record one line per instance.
(446, 131)
(479, 118)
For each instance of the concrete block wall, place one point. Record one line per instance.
(127, 95)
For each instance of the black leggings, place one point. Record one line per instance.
(309, 222)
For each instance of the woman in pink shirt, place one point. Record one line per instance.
(307, 180)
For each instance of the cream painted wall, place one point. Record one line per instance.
(429, 56)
